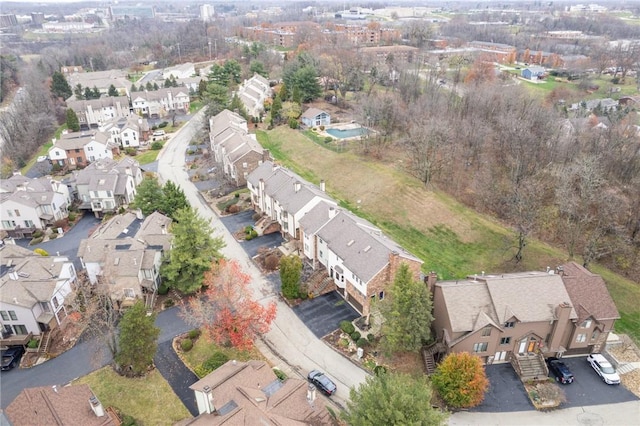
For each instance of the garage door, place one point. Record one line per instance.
(354, 302)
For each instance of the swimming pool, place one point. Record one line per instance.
(347, 133)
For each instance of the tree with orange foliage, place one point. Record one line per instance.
(227, 311)
(461, 380)
(481, 70)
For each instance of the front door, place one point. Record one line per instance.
(532, 346)
(523, 346)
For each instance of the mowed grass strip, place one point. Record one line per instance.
(149, 399)
(450, 238)
(204, 348)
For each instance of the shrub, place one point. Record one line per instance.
(35, 241)
(254, 233)
(215, 361)
(163, 289)
(169, 303)
(53, 236)
(233, 208)
(280, 374)
(163, 124)
(130, 151)
(186, 344)
(371, 337)
(347, 327)
(615, 80)
(293, 123)
(194, 334)
(362, 342)
(271, 262)
(460, 380)
(41, 252)
(37, 233)
(72, 216)
(156, 146)
(127, 420)
(355, 336)
(322, 128)
(237, 195)
(33, 344)
(328, 139)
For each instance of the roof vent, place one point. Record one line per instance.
(367, 248)
(350, 243)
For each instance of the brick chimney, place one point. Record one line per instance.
(561, 322)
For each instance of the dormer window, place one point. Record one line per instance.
(509, 324)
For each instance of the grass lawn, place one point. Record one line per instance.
(450, 238)
(149, 399)
(203, 349)
(148, 156)
(44, 150)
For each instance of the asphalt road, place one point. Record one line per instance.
(177, 375)
(81, 360)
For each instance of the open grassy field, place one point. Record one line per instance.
(150, 400)
(450, 238)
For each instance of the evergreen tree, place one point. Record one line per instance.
(284, 92)
(237, 105)
(407, 313)
(155, 86)
(113, 91)
(276, 110)
(202, 87)
(174, 199)
(137, 341)
(149, 196)
(133, 88)
(78, 92)
(296, 95)
(72, 120)
(167, 83)
(59, 86)
(306, 80)
(257, 67)
(149, 86)
(192, 253)
(290, 270)
(233, 70)
(392, 399)
(88, 93)
(96, 92)
(219, 75)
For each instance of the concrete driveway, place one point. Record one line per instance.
(506, 392)
(323, 314)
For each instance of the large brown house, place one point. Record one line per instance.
(554, 313)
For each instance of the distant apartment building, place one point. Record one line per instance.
(207, 12)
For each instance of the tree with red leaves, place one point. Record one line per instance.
(227, 311)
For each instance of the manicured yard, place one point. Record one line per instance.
(147, 156)
(150, 400)
(452, 239)
(203, 349)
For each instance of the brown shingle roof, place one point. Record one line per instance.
(588, 292)
(67, 405)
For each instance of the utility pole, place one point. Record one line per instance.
(179, 55)
(209, 43)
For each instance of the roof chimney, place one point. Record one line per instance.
(296, 186)
(208, 400)
(332, 212)
(96, 406)
(322, 186)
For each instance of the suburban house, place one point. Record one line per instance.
(95, 112)
(125, 255)
(59, 405)
(101, 79)
(106, 185)
(250, 393)
(160, 103)
(253, 93)
(238, 152)
(604, 105)
(128, 132)
(533, 72)
(356, 258)
(76, 150)
(180, 71)
(28, 204)
(522, 317)
(314, 117)
(33, 289)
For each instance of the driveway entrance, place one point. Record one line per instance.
(323, 314)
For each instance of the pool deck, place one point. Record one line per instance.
(343, 126)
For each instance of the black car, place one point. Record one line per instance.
(322, 382)
(11, 357)
(560, 371)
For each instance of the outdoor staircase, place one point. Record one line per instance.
(530, 366)
(428, 356)
(262, 224)
(46, 340)
(318, 283)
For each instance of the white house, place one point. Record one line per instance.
(33, 289)
(314, 117)
(128, 132)
(253, 93)
(159, 103)
(125, 253)
(106, 185)
(95, 112)
(28, 204)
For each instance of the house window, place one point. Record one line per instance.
(55, 302)
(595, 334)
(90, 148)
(586, 324)
(28, 224)
(79, 159)
(9, 213)
(8, 224)
(321, 254)
(581, 338)
(17, 212)
(13, 316)
(20, 329)
(381, 295)
(509, 324)
(4, 315)
(486, 331)
(480, 347)
(45, 307)
(505, 340)
(129, 293)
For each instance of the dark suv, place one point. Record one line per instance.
(322, 382)
(11, 357)
(560, 371)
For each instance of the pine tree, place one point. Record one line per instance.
(72, 120)
(174, 199)
(149, 196)
(59, 86)
(290, 270)
(137, 341)
(113, 91)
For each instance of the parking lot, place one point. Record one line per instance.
(323, 314)
(506, 392)
(237, 222)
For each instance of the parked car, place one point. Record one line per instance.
(604, 369)
(11, 357)
(321, 381)
(560, 371)
(42, 158)
(158, 133)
